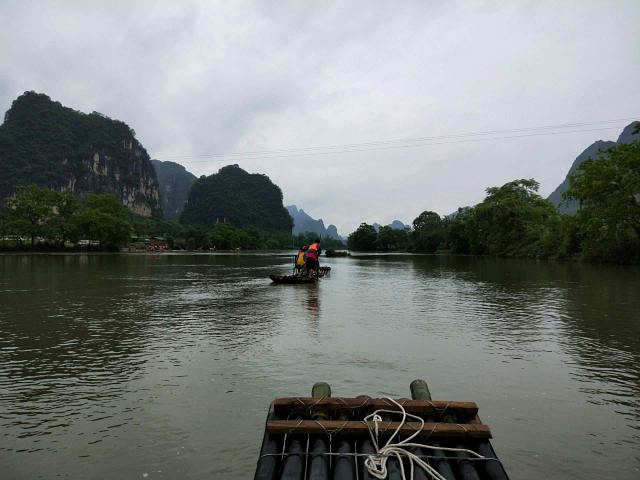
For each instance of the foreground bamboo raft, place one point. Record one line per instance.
(323, 437)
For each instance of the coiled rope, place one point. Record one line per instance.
(376, 463)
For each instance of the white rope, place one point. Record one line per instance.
(377, 463)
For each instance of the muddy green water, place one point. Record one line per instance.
(136, 366)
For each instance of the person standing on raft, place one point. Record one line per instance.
(313, 252)
(300, 259)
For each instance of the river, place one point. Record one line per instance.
(163, 366)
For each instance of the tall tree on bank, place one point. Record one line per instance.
(39, 212)
(428, 232)
(608, 188)
(363, 239)
(29, 210)
(391, 239)
(514, 220)
(462, 237)
(104, 219)
(62, 227)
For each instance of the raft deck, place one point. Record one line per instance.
(323, 437)
(292, 279)
(299, 278)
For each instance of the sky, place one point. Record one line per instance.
(271, 85)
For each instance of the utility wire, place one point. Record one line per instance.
(489, 135)
(416, 145)
(421, 139)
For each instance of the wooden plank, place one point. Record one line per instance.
(439, 430)
(340, 404)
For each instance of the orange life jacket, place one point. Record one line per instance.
(312, 251)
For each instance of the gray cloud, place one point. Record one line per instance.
(197, 78)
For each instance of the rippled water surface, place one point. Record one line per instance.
(136, 366)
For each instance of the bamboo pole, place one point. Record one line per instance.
(319, 465)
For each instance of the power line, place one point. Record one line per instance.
(421, 139)
(468, 137)
(416, 145)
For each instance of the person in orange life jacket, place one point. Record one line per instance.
(312, 254)
(300, 258)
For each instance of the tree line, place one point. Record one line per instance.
(38, 218)
(513, 220)
(43, 218)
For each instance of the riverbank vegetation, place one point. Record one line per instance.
(45, 220)
(39, 218)
(514, 221)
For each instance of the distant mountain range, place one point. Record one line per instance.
(303, 223)
(53, 146)
(592, 151)
(396, 224)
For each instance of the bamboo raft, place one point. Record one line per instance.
(300, 278)
(292, 279)
(323, 437)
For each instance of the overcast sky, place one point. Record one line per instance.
(198, 79)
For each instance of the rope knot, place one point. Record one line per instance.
(376, 463)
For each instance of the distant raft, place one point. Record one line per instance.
(337, 253)
(324, 437)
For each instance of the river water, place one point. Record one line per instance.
(163, 366)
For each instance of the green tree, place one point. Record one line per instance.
(462, 232)
(608, 189)
(196, 237)
(107, 203)
(428, 232)
(224, 236)
(61, 227)
(28, 211)
(514, 220)
(363, 239)
(104, 219)
(391, 239)
(4, 222)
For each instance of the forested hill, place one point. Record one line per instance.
(56, 147)
(175, 182)
(240, 198)
(592, 151)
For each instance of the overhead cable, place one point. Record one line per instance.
(468, 137)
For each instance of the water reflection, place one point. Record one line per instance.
(602, 334)
(313, 309)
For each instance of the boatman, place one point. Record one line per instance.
(312, 254)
